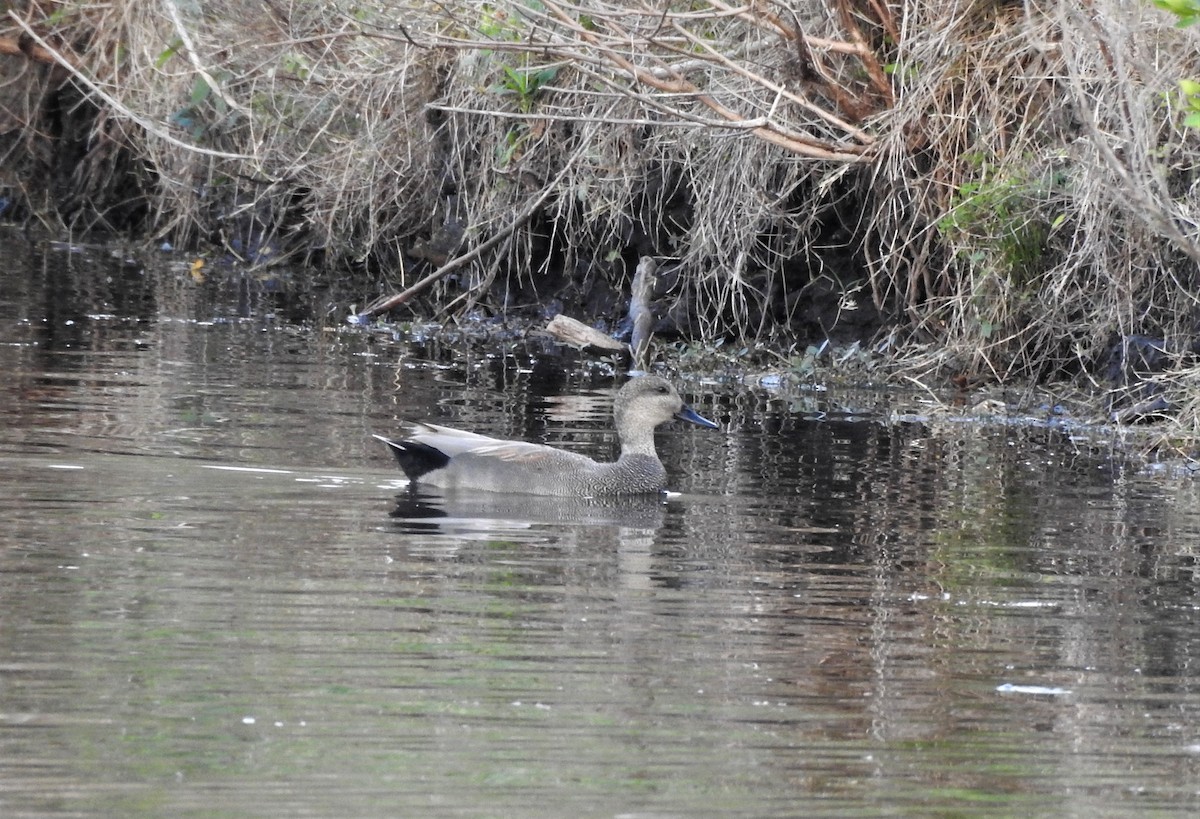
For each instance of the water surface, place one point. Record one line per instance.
(219, 598)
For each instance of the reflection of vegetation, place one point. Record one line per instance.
(987, 536)
(989, 510)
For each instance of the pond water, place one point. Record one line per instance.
(217, 596)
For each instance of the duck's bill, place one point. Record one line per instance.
(692, 417)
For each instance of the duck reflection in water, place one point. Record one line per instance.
(424, 509)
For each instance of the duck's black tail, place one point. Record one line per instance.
(414, 458)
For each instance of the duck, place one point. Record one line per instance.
(455, 459)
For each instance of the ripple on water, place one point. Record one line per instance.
(220, 596)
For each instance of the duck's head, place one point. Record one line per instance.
(648, 401)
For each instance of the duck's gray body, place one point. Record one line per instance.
(454, 459)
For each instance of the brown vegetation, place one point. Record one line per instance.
(994, 188)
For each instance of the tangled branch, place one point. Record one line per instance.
(671, 62)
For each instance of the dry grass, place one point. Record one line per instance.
(262, 119)
(1011, 177)
(1045, 194)
(370, 130)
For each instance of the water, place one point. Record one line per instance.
(217, 598)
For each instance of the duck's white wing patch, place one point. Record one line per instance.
(419, 431)
(521, 451)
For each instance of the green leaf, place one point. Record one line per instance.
(200, 91)
(1180, 7)
(168, 52)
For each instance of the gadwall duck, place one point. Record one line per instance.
(454, 459)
